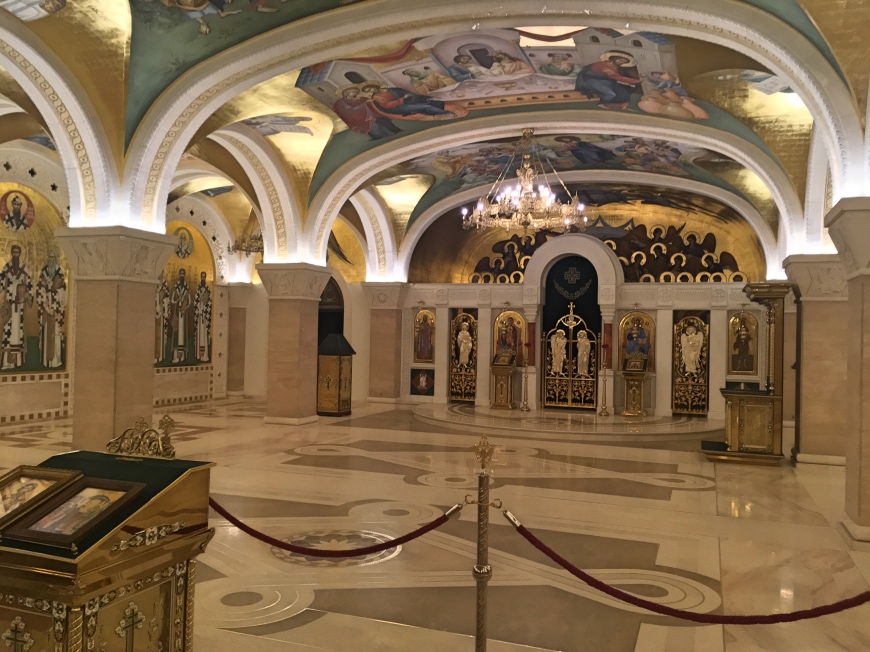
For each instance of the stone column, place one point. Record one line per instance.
(115, 270)
(294, 291)
(822, 395)
(848, 223)
(385, 351)
(610, 361)
(484, 349)
(442, 346)
(664, 364)
(532, 311)
(717, 349)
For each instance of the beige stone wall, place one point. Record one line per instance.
(824, 407)
(236, 351)
(385, 379)
(30, 397)
(179, 385)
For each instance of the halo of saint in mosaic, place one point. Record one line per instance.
(637, 342)
(183, 303)
(743, 345)
(33, 284)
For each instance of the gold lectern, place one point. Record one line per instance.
(97, 551)
(635, 382)
(334, 374)
(753, 417)
(502, 385)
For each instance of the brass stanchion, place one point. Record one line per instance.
(482, 571)
(525, 406)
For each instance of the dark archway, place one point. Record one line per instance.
(330, 316)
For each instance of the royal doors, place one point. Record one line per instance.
(570, 364)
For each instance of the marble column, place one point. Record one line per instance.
(385, 350)
(823, 407)
(716, 345)
(115, 271)
(848, 223)
(484, 353)
(294, 291)
(607, 322)
(442, 347)
(664, 345)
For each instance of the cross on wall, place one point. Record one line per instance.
(16, 638)
(131, 621)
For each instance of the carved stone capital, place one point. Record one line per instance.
(294, 280)
(115, 253)
(386, 295)
(819, 277)
(848, 224)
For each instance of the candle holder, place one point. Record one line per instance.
(603, 411)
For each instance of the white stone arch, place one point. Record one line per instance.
(90, 172)
(762, 229)
(344, 181)
(602, 257)
(184, 107)
(379, 238)
(281, 222)
(228, 267)
(24, 156)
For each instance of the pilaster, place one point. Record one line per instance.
(115, 270)
(294, 291)
(385, 351)
(848, 223)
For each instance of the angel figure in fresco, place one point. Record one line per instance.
(584, 348)
(691, 342)
(558, 346)
(463, 339)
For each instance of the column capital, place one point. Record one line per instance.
(818, 277)
(848, 224)
(386, 295)
(115, 253)
(294, 280)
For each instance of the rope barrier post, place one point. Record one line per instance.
(482, 571)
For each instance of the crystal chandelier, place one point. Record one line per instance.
(247, 244)
(521, 207)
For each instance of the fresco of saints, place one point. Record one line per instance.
(505, 64)
(185, 243)
(28, 10)
(16, 292)
(428, 81)
(51, 306)
(202, 319)
(359, 114)
(691, 343)
(180, 301)
(399, 103)
(636, 341)
(464, 68)
(464, 341)
(609, 80)
(560, 64)
(584, 348)
(162, 315)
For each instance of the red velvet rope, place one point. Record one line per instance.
(712, 619)
(334, 554)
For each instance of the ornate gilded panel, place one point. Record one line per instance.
(743, 345)
(509, 335)
(424, 336)
(570, 364)
(691, 363)
(637, 342)
(463, 355)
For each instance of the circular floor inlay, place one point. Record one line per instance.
(396, 512)
(241, 599)
(454, 479)
(337, 540)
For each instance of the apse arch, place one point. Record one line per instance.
(49, 173)
(90, 173)
(228, 268)
(347, 178)
(762, 229)
(171, 122)
(607, 265)
(379, 238)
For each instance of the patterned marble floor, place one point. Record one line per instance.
(640, 509)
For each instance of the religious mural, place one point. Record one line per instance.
(183, 302)
(34, 278)
(463, 354)
(690, 361)
(637, 342)
(743, 345)
(424, 336)
(28, 10)
(422, 382)
(509, 336)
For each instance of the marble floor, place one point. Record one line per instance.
(633, 503)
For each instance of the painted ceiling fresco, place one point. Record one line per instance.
(655, 231)
(480, 164)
